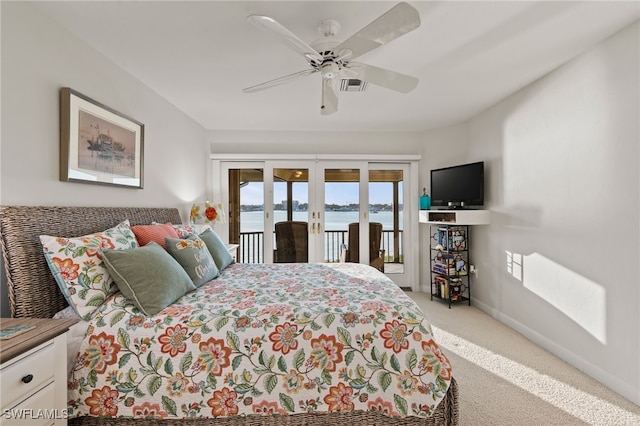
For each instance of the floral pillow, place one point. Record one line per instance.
(78, 268)
(184, 229)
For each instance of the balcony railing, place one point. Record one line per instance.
(252, 246)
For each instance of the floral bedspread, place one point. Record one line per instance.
(263, 339)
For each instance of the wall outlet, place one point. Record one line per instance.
(473, 270)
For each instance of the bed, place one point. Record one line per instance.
(285, 344)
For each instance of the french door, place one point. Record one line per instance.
(290, 188)
(341, 200)
(354, 210)
(264, 194)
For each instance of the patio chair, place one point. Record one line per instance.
(292, 242)
(376, 255)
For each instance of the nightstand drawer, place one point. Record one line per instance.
(27, 374)
(37, 410)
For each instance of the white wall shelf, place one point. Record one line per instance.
(455, 217)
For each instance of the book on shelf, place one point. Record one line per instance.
(447, 258)
(439, 268)
(444, 290)
(440, 287)
(437, 280)
(452, 238)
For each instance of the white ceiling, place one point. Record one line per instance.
(468, 55)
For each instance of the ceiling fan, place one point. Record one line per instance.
(333, 59)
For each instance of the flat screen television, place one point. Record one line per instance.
(459, 186)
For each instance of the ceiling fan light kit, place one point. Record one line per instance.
(332, 58)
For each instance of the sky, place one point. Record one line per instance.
(335, 193)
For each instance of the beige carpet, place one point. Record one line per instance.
(505, 379)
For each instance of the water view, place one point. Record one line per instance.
(252, 221)
(336, 224)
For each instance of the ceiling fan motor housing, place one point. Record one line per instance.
(324, 46)
(329, 68)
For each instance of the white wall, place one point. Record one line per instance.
(440, 148)
(39, 57)
(559, 263)
(296, 142)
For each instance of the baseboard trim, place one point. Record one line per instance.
(597, 373)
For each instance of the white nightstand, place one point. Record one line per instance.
(33, 373)
(233, 251)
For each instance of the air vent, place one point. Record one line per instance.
(352, 85)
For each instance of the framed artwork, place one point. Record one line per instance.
(98, 144)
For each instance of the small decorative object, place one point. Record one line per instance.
(14, 330)
(98, 144)
(425, 200)
(207, 213)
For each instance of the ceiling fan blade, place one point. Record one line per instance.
(397, 21)
(329, 98)
(285, 35)
(278, 81)
(382, 77)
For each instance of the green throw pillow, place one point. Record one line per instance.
(148, 276)
(192, 253)
(217, 248)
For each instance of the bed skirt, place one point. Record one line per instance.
(445, 414)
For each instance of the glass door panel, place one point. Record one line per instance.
(246, 213)
(342, 208)
(389, 191)
(386, 191)
(290, 215)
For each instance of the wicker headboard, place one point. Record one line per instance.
(32, 290)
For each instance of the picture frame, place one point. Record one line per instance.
(98, 144)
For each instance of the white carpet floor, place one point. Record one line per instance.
(505, 379)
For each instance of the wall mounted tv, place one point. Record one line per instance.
(459, 186)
